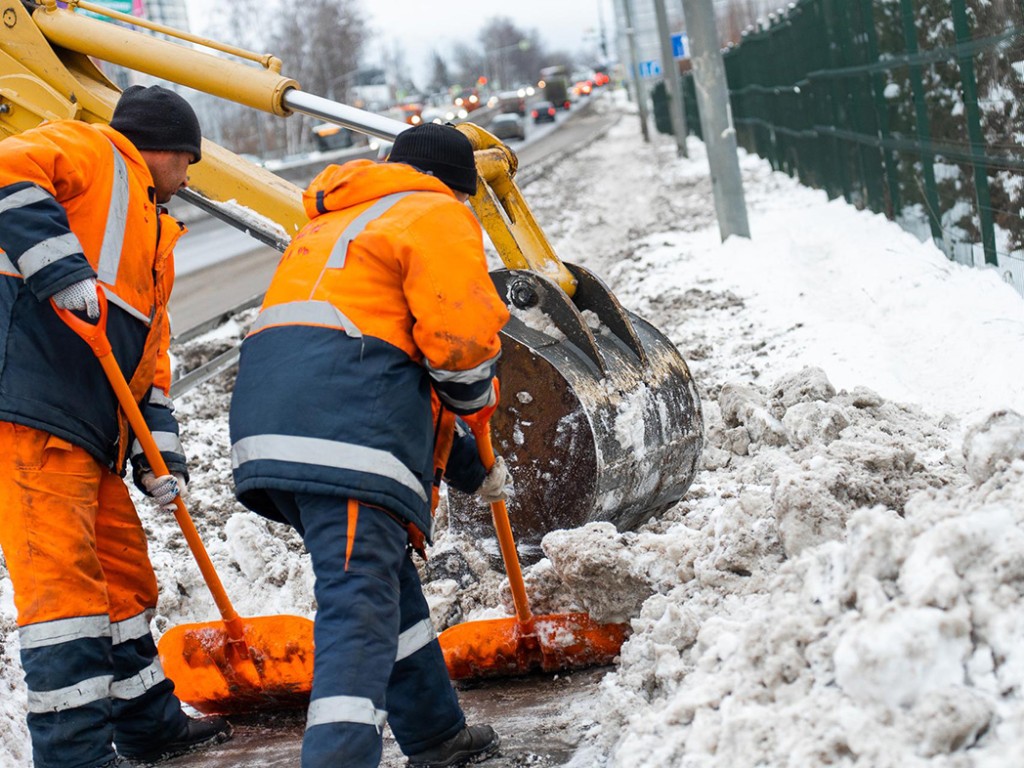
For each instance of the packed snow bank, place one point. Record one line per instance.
(842, 584)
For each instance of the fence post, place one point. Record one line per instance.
(716, 120)
(977, 138)
(892, 182)
(634, 68)
(670, 71)
(922, 123)
(840, 152)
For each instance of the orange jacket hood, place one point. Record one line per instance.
(359, 181)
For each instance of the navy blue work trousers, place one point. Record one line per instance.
(377, 656)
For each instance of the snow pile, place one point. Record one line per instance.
(842, 585)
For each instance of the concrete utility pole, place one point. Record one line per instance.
(716, 118)
(634, 68)
(670, 71)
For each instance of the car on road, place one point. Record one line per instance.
(544, 112)
(508, 126)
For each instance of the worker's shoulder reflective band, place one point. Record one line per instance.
(63, 631)
(130, 629)
(306, 313)
(117, 222)
(471, 376)
(415, 637)
(345, 709)
(136, 685)
(77, 695)
(325, 453)
(117, 301)
(340, 251)
(45, 253)
(167, 442)
(23, 197)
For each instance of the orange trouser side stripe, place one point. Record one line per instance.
(70, 534)
(353, 519)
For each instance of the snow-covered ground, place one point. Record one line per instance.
(842, 585)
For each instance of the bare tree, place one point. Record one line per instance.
(320, 43)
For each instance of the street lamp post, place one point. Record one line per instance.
(521, 45)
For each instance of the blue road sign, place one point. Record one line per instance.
(650, 68)
(680, 47)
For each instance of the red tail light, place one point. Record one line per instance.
(534, 113)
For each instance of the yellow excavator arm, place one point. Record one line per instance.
(567, 388)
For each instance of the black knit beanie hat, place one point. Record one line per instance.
(159, 119)
(440, 150)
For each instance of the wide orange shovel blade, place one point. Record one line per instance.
(207, 672)
(503, 648)
(527, 643)
(228, 666)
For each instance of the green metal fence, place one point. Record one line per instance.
(911, 108)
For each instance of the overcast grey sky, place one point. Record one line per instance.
(419, 26)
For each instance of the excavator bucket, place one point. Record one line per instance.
(600, 418)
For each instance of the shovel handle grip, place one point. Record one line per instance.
(499, 513)
(95, 335)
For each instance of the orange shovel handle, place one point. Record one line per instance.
(96, 337)
(499, 513)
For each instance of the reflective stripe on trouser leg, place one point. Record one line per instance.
(355, 629)
(48, 494)
(145, 708)
(423, 709)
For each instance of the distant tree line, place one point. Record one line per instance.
(323, 45)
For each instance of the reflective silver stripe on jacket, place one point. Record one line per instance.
(77, 695)
(415, 637)
(470, 376)
(136, 685)
(24, 197)
(130, 629)
(117, 301)
(49, 251)
(157, 397)
(306, 313)
(117, 222)
(340, 251)
(167, 442)
(475, 404)
(63, 631)
(325, 453)
(345, 709)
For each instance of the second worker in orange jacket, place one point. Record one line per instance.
(381, 303)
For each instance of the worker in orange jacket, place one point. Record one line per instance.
(381, 304)
(80, 208)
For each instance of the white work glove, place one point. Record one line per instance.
(497, 485)
(165, 489)
(80, 296)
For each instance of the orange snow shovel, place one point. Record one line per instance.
(231, 666)
(527, 643)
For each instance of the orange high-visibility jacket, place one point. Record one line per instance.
(381, 299)
(77, 201)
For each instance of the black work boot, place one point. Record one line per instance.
(198, 733)
(470, 745)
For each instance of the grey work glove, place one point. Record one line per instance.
(165, 489)
(81, 297)
(497, 485)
